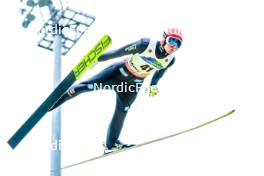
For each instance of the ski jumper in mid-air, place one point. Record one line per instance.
(144, 57)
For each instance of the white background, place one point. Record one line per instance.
(218, 68)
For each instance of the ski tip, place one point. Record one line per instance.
(108, 38)
(231, 112)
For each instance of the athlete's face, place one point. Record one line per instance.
(170, 48)
(172, 44)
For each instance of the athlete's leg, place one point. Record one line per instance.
(71, 93)
(123, 104)
(105, 77)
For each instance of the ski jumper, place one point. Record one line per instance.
(144, 57)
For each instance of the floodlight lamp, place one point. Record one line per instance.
(31, 3)
(28, 19)
(43, 3)
(25, 23)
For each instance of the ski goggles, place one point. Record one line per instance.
(172, 41)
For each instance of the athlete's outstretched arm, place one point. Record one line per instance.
(158, 74)
(132, 48)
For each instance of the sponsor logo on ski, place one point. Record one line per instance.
(92, 56)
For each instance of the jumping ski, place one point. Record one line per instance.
(150, 142)
(88, 61)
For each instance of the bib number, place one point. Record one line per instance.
(146, 67)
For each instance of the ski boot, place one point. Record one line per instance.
(118, 145)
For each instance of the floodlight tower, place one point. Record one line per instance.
(59, 34)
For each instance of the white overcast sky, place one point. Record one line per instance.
(218, 68)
